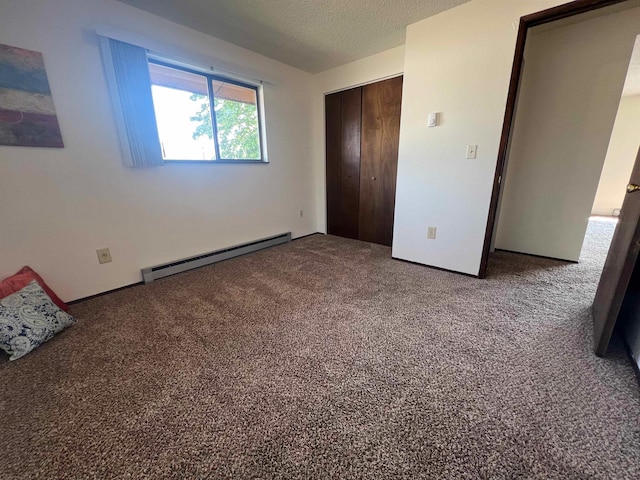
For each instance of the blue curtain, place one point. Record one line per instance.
(127, 72)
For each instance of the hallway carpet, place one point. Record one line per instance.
(325, 358)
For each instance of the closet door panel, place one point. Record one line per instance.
(333, 125)
(343, 125)
(351, 127)
(381, 103)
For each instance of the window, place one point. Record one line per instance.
(204, 117)
(165, 112)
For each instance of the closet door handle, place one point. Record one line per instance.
(373, 178)
(632, 187)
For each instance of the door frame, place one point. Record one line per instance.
(528, 21)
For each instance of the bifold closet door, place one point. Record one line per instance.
(380, 137)
(343, 125)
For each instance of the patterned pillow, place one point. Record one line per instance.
(21, 279)
(28, 318)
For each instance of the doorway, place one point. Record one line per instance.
(570, 12)
(362, 138)
(549, 164)
(570, 91)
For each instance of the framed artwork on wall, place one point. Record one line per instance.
(27, 115)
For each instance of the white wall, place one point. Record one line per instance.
(570, 92)
(367, 70)
(621, 155)
(457, 63)
(57, 206)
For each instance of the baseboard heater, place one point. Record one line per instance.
(150, 274)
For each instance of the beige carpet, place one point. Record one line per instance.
(324, 358)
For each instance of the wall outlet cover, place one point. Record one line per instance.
(104, 256)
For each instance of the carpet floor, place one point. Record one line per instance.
(325, 358)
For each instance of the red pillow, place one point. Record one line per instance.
(21, 279)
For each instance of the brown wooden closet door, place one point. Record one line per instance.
(380, 138)
(343, 125)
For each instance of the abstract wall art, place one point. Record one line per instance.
(27, 115)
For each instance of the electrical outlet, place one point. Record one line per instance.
(104, 256)
(431, 233)
(301, 213)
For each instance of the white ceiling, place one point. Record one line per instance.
(632, 82)
(313, 35)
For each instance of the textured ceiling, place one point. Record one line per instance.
(313, 35)
(632, 83)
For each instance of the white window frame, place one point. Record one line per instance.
(258, 88)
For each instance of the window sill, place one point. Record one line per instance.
(214, 162)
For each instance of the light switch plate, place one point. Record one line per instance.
(472, 151)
